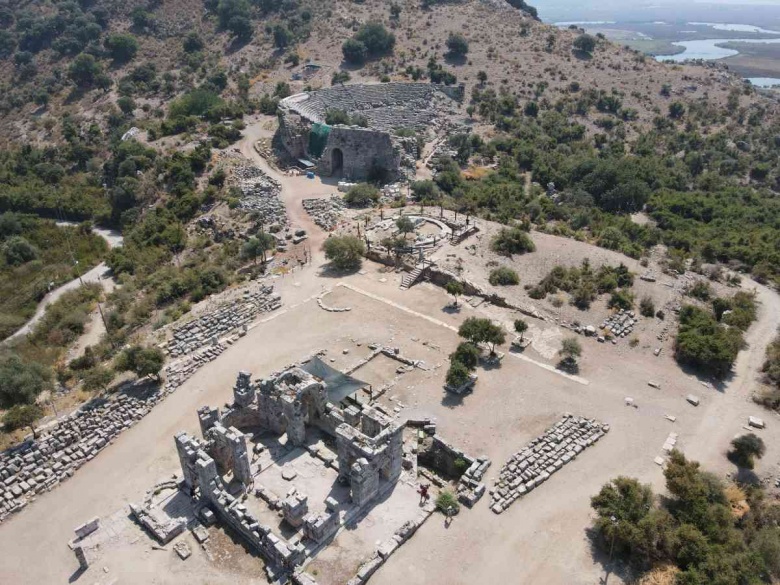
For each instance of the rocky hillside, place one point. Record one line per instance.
(522, 57)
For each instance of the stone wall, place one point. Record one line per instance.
(229, 317)
(40, 465)
(363, 151)
(279, 553)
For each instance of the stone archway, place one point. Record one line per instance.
(336, 161)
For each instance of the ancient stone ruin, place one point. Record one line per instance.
(41, 464)
(372, 147)
(536, 462)
(220, 473)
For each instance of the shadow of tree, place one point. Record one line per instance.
(450, 400)
(599, 551)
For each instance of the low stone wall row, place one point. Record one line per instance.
(537, 461)
(178, 373)
(229, 317)
(39, 465)
(385, 550)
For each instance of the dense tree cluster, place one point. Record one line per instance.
(583, 283)
(705, 344)
(694, 529)
(370, 41)
(699, 202)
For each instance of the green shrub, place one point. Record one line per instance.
(621, 299)
(457, 375)
(647, 307)
(22, 381)
(447, 503)
(467, 354)
(503, 276)
(344, 252)
(700, 290)
(511, 241)
(142, 361)
(705, 344)
(362, 195)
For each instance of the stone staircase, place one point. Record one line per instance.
(410, 278)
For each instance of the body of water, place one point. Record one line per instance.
(567, 23)
(709, 49)
(764, 81)
(748, 28)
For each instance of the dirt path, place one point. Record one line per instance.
(294, 188)
(729, 408)
(98, 274)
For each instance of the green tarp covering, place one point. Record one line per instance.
(318, 138)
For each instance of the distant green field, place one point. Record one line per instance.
(23, 286)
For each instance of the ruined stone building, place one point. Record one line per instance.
(218, 470)
(373, 149)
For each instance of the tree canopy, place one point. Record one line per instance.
(142, 361)
(344, 252)
(370, 41)
(21, 381)
(478, 330)
(693, 529)
(457, 45)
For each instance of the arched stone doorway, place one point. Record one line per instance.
(336, 162)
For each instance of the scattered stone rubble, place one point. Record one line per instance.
(386, 549)
(208, 328)
(537, 461)
(326, 213)
(261, 194)
(40, 465)
(620, 324)
(178, 373)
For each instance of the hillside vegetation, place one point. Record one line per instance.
(601, 131)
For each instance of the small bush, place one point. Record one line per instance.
(647, 307)
(511, 241)
(700, 290)
(447, 501)
(621, 299)
(503, 276)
